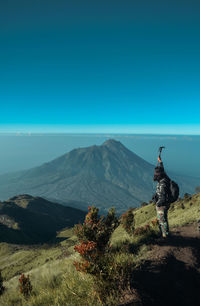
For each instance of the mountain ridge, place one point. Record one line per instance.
(28, 219)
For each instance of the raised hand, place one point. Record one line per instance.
(159, 159)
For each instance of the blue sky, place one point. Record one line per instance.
(129, 66)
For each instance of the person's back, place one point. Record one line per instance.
(161, 198)
(162, 192)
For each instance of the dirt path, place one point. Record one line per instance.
(171, 275)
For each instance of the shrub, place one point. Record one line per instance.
(127, 221)
(154, 223)
(142, 230)
(25, 285)
(2, 288)
(146, 229)
(112, 272)
(94, 236)
(143, 204)
(187, 196)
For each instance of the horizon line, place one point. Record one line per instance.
(17, 133)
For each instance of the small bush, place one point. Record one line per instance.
(143, 204)
(154, 223)
(127, 221)
(187, 196)
(146, 229)
(25, 285)
(2, 288)
(142, 230)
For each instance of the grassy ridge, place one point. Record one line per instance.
(25, 219)
(15, 259)
(54, 278)
(186, 210)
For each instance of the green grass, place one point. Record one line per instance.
(185, 211)
(144, 215)
(53, 276)
(180, 213)
(56, 283)
(15, 259)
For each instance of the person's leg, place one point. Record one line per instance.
(166, 220)
(163, 222)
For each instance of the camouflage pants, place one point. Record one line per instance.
(162, 219)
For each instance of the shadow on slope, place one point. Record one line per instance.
(36, 219)
(172, 283)
(171, 276)
(10, 235)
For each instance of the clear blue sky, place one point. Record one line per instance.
(119, 65)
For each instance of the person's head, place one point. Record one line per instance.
(159, 173)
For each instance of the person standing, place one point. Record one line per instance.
(162, 198)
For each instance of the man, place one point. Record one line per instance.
(162, 198)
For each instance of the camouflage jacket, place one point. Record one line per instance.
(162, 193)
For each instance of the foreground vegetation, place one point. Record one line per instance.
(54, 279)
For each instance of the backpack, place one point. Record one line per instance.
(174, 191)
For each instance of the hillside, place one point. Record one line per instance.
(106, 175)
(27, 219)
(162, 273)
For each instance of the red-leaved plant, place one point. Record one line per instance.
(94, 236)
(25, 285)
(147, 228)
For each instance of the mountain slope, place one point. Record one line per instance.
(106, 175)
(27, 219)
(164, 272)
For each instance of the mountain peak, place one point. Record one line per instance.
(112, 142)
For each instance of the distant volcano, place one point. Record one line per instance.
(106, 175)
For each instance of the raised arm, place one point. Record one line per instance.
(161, 163)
